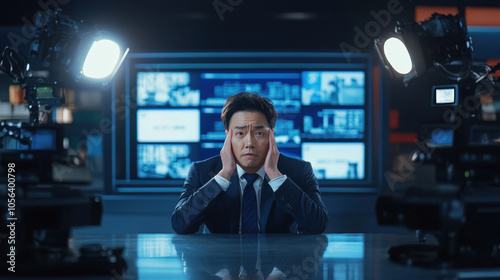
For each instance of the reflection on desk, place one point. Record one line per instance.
(251, 256)
(326, 257)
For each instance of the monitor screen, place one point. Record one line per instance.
(41, 138)
(445, 95)
(336, 160)
(168, 125)
(437, 134)
(165, 161)
(167, 112)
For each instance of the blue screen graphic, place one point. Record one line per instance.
(333, 88)
(166, 115)
(42, 139)
(164, 161)
(321, 118)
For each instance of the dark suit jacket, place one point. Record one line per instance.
(296, 207)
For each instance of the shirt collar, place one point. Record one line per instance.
(260, 172)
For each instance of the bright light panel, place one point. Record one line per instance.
(397, 55)
(102, 59)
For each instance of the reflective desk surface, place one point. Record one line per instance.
(327, 256)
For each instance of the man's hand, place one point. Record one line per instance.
(271, 163)
(227, 157)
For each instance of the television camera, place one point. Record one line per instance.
(41, 205)
(464, 146)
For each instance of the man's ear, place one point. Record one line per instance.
(227, 131)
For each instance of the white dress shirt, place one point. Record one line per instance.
(274, 184)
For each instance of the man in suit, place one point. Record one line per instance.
(250, 187)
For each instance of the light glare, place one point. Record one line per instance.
(102, 59)
(397, 55)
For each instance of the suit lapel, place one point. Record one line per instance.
(233, 198)
(266, 201)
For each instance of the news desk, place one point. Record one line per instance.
(283, 256)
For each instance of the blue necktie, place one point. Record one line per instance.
(249, 218)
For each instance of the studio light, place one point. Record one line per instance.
(397, 55)
(71, 52)
(85, 54)
(440, 42)
(101, 59)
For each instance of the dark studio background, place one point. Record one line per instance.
(252, 25)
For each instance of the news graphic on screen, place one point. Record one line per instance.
(168, 125)
(322, 123)
(336, 160)
(176, 89)
(333, 87)
(163, 161)
(210, 149)
(324, 111)
(287, 132)
(212, 128)
(282, 88)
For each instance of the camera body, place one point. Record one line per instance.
(465, 145)
(463, 209)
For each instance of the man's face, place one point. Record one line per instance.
(250, 139)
